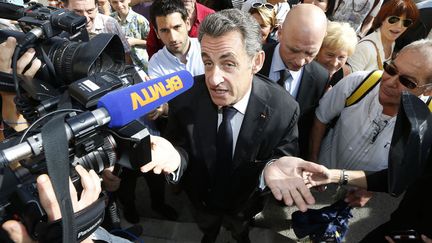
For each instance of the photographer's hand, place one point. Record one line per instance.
(7, 49)
(9, 113)
(165, 158)
(91, 189)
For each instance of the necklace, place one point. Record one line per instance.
(361, 9)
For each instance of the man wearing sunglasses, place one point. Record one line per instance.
(361, 137)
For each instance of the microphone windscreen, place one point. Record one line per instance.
(127, 104)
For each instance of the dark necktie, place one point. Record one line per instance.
(224, 152)
(283, 76)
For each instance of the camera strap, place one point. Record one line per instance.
(55, 143)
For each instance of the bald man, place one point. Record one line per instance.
(290, 63)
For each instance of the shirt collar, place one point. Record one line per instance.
(98, 23)
(241, 105)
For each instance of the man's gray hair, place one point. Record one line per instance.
(423, 48)
(222, 22)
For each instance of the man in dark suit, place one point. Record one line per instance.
(290, 63)
(233, 133)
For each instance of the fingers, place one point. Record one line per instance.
(35, 66)
(426, 239)
(314, 167)
(7, 49)
(47, 197)
(153, 165)
(90, 182)
(25, 60)
(164, 156)
(277, 193)
(17, 232)
(389, 240)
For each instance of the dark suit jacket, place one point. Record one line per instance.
(312, 87)
(269, 130)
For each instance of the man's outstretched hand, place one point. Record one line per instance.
(284, 177)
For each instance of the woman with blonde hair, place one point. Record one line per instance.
(339, 44)
(266, 17)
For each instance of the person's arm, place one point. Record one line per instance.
(318, 130)
(10, 114)
(355, 178)
(136, 42)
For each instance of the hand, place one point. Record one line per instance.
(318, 180)
(110, 181)
(132, 41)
(7, 49)
(160, 111)
(91, 190)
(165, 158)
(358, 197)
(284, 178)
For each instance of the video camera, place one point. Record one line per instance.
(48, 30)
(82, 70)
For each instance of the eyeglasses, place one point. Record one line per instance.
(394, 19)
(392, 70)
(268, 6)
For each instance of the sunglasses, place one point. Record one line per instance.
(394, 19)
(392, 70)
(268, 6)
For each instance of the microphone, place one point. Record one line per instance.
(127, 104)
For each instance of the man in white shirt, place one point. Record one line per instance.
(171, 22)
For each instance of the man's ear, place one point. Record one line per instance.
(155, 30)
(258, 62)
(188, 24)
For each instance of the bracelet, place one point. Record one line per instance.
(343, 179)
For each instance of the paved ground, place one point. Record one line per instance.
(273, 224)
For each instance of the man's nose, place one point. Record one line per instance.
(215, 76)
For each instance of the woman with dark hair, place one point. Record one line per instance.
(393, 19)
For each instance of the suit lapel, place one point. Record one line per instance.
(207, 129)
(306, 84)
(254, 123)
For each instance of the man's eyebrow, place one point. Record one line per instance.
(228, 55)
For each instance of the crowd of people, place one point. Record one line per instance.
(288, 95)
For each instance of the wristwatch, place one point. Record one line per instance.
(343, 179)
